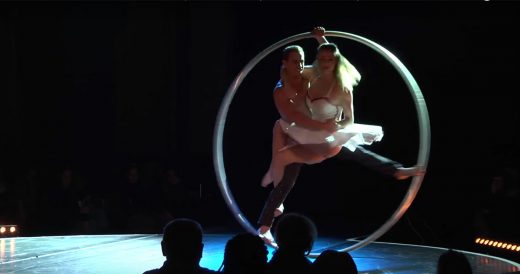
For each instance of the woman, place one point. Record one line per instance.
(329, 97)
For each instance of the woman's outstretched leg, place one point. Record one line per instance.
(379, 163)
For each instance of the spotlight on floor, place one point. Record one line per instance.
(8, 230)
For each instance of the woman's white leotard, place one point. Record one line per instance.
(286, 138)
(322, 109)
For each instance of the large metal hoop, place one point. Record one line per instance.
(422, 115)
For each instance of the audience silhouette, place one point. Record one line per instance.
(295, 235)
(245, 253)
(176, 198)
(333, 261)
(453, 262)
(182, 246)
(134, 208)
(63, 211)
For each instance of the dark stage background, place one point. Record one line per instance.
(100, 87)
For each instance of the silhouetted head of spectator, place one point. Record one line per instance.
(245, 253)
(332, 261)
(453, 262)
(182, 241)
(295, 233)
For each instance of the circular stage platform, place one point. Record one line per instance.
(140, 252)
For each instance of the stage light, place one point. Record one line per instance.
(498, 244)
(8, 230)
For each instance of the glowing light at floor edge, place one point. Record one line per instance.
(498, 244)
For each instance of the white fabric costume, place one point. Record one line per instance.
(351, 136)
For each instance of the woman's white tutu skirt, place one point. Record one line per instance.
(349, 137)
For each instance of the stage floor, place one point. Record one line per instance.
(137, 253)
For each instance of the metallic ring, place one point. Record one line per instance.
(422, 115)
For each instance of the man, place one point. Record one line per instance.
(182, 246)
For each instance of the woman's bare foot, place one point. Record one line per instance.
(403, 173)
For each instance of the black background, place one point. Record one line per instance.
(99, 85)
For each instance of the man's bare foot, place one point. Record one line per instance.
(403, 173)
(264, 232)
(278, 211)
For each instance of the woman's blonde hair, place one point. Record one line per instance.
(347, 75)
